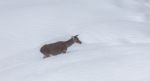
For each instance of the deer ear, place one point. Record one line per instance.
(72, 36)
(76, 35)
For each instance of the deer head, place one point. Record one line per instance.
(76, 39)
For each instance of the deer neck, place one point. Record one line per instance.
(69, 43)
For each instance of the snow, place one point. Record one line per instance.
(115, 36)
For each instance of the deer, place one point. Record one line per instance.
(59, 47)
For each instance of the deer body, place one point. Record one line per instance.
(58, 47)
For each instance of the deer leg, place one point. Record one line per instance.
(64, 51)
(45, 56)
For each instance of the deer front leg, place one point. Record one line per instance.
(65, 51)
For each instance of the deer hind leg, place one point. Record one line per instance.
(46, 56)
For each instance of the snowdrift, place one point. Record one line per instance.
(115, 36)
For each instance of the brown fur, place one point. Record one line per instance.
(58, 47)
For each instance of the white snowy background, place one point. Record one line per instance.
(115, 36)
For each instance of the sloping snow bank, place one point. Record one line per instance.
(115, 35)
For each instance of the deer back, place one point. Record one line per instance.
(54, 48)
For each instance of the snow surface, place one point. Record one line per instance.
(115, 36)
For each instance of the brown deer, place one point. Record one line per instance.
(58, 47)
